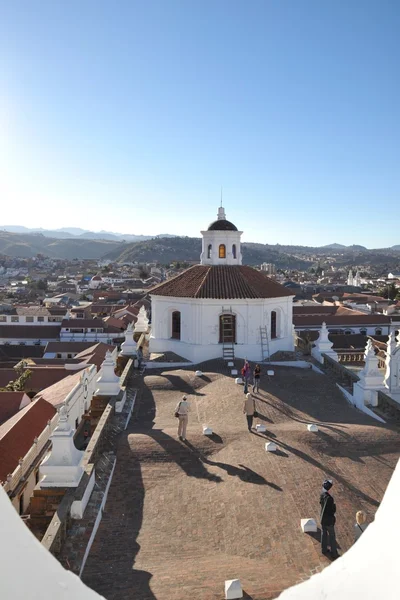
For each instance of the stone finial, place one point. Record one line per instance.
(128, 347)
(323, 345)
(390, 379)
(142, 323)
(323, 333)
(108, 384)
(369, 350)
(63, 467)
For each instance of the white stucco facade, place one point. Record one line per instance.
(200, 326)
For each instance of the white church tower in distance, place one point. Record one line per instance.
(221, 242)
(221, 308)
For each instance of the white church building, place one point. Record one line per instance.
(221, 308)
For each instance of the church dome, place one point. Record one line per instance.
(222, 225)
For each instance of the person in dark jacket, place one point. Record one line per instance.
(256, 375)
(328, 520)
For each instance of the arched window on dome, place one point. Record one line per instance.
(273, 325)
(176, 325)
(234, 250)
(209, 250)
(222, 251)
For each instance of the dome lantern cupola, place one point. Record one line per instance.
(221, 242)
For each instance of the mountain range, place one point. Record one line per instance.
(167, 248)
(76, 232)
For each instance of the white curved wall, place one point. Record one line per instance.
(200, 326)
(28, 570)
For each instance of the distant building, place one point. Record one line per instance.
(269, 268)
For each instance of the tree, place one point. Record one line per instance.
(19, 384)
(390, 292)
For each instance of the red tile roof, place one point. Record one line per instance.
(221, 282)
(10, 403)
(55, 394)
(30, 332)
(340, 320)
(17, 434)
(82, 323)
(41, 377)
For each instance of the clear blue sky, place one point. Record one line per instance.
(129, 116)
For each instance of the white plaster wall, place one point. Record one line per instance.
(76, 402)
(78, 506)
(215, 238)
(200, 326)
(26, 492)
(28, 570)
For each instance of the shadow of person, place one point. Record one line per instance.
(328, 471)
(215, 438)
(180, 385)
(263, 435)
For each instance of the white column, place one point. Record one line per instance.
(62, 468)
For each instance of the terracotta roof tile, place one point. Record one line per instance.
(60, 347)
(340, 320)
(17, 434)
(30, 332)
(82, 323)
(221, 282)
(10, 403)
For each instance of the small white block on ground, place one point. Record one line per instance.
(261, 428)
(271, 447)
(233, 589)
(312, 427)
(270, 373)
(199, 373)
(308, 525)
(207, 430)
(230, 364)
(234, 372)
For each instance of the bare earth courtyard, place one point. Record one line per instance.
(181, 518)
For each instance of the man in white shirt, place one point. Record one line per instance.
(181, 411)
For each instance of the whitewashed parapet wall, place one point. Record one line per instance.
(392, 374)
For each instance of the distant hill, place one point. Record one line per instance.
(167, 250)
(344, 248)
(27, 245)
(72, 232)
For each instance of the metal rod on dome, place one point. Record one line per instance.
(221, 196)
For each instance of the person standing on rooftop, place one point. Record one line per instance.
(256, 381)
(328, 520)
(181, 411)
(249, 410)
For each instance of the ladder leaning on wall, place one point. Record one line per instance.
(265, 354)
(228, 335)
